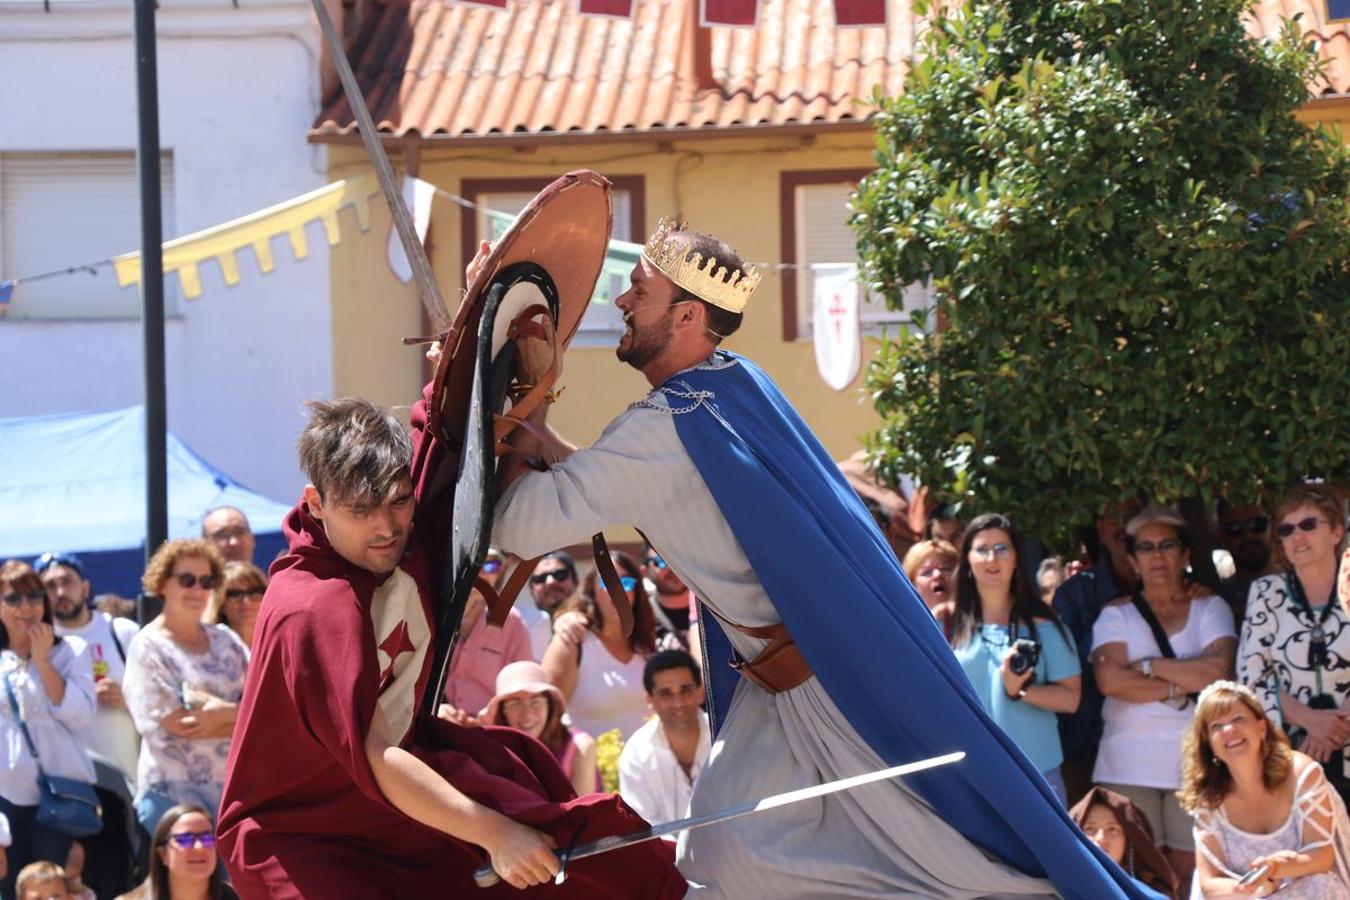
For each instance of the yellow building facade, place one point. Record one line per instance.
(733, 188)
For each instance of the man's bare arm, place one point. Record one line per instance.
(521, 855)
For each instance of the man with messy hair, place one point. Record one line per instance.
(336, 786)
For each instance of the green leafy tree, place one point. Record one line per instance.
(1138, 255)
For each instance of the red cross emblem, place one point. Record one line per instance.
(836, 311)
(395, 645)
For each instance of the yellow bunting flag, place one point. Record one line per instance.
(220, 242)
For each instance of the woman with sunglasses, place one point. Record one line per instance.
(183, 859)
(1295, 649)
(51, 681)
(1151, 652)
(1019, 658)
(237, 606)
(482, 651)
(183, 683)
(597, 667)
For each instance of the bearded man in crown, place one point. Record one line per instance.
(823, 661)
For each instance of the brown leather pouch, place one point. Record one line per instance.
(780, 666)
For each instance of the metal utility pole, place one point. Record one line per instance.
(152, 282)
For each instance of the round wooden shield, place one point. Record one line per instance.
(565, 231)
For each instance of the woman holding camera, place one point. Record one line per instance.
(1295, 648)
(1018, 657)
(1151, 652)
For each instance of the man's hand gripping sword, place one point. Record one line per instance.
(486, 877)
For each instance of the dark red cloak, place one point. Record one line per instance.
(302, 815)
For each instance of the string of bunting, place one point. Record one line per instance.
(256, 231)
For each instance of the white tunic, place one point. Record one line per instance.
(879, 841)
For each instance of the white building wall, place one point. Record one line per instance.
(238, 91)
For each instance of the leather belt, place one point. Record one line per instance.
(780, 666)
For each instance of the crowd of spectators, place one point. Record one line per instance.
(1191, 724)
(1197, 725)
(143, 716)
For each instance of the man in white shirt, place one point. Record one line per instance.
(663, 758)
(113, 738)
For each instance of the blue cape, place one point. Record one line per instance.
(863, 629)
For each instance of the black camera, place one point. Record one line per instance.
(1026, 653)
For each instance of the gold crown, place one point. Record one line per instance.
(705, 280)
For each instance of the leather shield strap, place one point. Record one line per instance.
(501, 601)
(604, 565)
(780, 666)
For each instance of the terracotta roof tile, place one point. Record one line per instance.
(1266, 18)
(439, 68)
(445, 69)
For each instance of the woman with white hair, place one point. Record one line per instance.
(1152, 652)
(1295, 649)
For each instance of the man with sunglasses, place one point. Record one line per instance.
(1244, 531)
(554, 580)
(674, 605)
(805, 598)
(113, 736)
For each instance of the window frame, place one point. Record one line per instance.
(789, 181)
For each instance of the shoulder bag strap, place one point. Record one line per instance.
(23, 726)
(1160, 636)
(117, 642)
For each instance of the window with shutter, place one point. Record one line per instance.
(823, 236)
(59, 210)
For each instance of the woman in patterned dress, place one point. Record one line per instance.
(1259, 806)
(183, 683)
(1295, 647)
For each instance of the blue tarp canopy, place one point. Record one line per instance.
(76, 483)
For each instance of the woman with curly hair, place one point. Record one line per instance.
(183, 683)
(1266, 819)
(597, 667)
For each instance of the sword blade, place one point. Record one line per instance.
(427, 289)
(486, 877)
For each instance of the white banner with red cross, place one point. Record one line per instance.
(835, 325)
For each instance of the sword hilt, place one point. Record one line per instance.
(485, 876)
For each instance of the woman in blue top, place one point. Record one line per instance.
(1022, 685)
